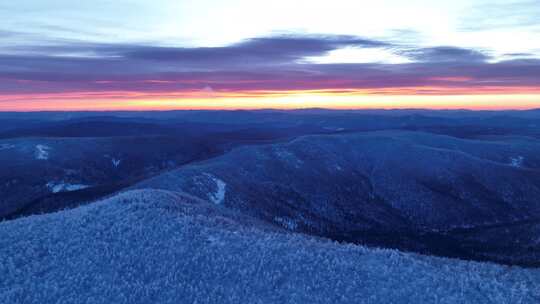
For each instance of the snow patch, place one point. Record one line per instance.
(116, 162)
(337, 129)
(219, 195)
(517, 161)
(56, 187)
(42, 152)
(6, 146)
(287, 222)
(288, 156)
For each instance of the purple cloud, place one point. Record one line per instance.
(446, 54)
(259, 64)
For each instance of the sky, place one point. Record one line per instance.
(210, 54)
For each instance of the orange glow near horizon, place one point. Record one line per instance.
(492, 98)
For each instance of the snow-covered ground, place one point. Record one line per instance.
(56, 187)
(218, 196)
(42, 152)
(286, 222)
(150, 246)
(517, 161)
(116, 162)
(6, 146)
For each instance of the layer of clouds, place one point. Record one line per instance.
(259, 64)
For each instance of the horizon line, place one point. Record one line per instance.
(275, 109)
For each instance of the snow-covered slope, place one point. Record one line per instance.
(152, 246)
(409, 190)
(37, 170)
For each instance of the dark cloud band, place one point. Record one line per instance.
(271, 63)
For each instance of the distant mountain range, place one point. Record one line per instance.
(451, 183)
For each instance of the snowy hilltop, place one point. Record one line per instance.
(154, 246)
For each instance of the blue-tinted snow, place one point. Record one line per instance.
(150, 246)
(42, 152)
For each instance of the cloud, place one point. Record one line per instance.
(446, 54)
(259, 51)
(254, 65)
